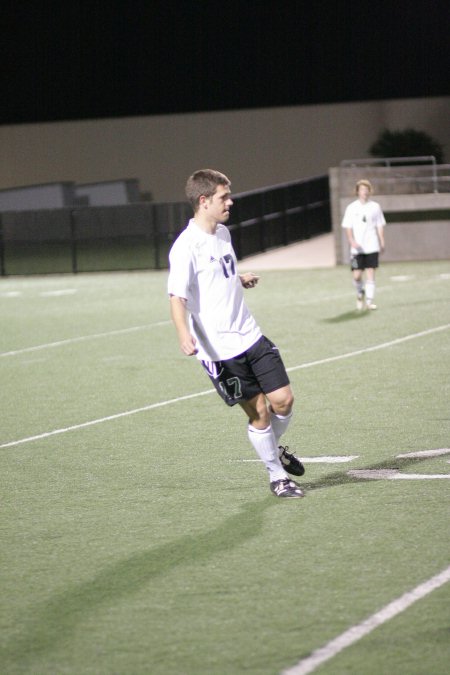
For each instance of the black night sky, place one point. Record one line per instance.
(65, 60)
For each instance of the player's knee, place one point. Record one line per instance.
(286, 409)
(283, 405)
(290, 399)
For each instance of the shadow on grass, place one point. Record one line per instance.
(347, 316)
(52, 623)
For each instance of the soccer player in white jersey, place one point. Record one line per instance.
(364, 223)
(214, 323)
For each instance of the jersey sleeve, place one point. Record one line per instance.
(180, 270)
(379, 217)
(347, 221)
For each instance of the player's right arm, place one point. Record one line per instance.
(180, 319)
(351, 239)
(347, 224)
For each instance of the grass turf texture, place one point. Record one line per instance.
(145, 544)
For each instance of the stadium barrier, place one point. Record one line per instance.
(139, 236)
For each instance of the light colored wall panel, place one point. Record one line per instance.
(255, 147)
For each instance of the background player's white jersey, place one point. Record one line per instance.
(203, 269)
(363, 219)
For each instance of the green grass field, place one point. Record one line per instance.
(139, 535)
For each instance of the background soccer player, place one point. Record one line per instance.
(364, 223)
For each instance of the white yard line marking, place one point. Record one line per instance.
(358, 631)
(396, 474)
(11, 294)
(366, 350)
(425, 453)
(81, 338)
(209, 391)
(63, 291)
(393, 474)
(330, 459)
(324, 459)
(109, 418)
(380, 289)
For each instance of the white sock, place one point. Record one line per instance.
(279, 424)
(370, 291)
(263, 440)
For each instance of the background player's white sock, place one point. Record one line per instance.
(279, 424)
(370, 291)
(263, 440)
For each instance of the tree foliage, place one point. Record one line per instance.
(406, 143)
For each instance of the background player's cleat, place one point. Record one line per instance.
(287, 488)
(371, 305)
(360, 301)
(290, 462)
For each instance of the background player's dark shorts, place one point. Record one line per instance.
(259, 369)
(362, 261)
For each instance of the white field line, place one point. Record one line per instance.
(109, 418)
(126, 413)
(323, 459)
(57, 293)
(420, 454)
(394, 474)
(81, 338)
(380, 289)
(375, 348)
(355, 633)
(333, 296)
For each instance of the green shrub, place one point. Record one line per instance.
(406, 143)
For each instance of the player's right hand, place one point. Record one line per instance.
(188, 346)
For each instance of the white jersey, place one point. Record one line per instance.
(364, 218)
(203, 269)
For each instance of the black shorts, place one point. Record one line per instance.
(259, 369)
(362, 261)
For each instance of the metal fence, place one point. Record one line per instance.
(139, 236)
(397, 175)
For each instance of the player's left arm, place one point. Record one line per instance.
(248, 279)
(380, 222)
(380, 230)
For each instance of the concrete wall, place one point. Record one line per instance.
(428, 240)
(254, 147)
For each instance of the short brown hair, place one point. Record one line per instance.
(204, 182)
(365, 182)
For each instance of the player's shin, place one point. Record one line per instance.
(263, 440)
(370, 291)
(279, 424)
